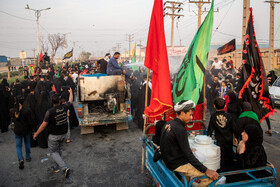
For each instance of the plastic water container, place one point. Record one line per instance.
(206, 151)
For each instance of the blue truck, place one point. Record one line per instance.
(163, 177)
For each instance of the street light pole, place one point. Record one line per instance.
(37, 14)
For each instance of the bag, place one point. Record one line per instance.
(157, 155)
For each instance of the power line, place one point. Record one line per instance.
(44, 28)
(16, 16)
(223, 17)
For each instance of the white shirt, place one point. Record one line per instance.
(74, 76)
(217, 65)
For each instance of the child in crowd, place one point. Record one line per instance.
(223, 89)
(223, 125)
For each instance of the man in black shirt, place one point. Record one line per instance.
(32, 84)
(56, 119)
(175, 149)
(46, 59)
(26, 71)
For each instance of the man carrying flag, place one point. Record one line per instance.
(253, 76)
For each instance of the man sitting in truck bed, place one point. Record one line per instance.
(175, 149)
(113, 67)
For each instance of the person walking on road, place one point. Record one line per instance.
(21, 116)
(56, 120)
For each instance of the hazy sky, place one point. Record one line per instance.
(98, 25)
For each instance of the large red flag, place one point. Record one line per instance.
(156, 59)
(41, 56)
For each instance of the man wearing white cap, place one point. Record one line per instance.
(175, 149)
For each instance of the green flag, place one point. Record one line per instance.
(133, 59)
(189, 81)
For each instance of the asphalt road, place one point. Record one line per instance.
(106, 158)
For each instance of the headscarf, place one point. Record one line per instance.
(255, 135)
(247, 106)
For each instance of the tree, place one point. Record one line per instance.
(44, 44)
(56, 41)
(84, 56)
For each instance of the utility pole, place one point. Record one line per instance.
(118, 46)
(37, 14)
(246, 13)
(140, 49)
(175, 6)
(34, 55)
(271, 35)
(130, 39)
(200, 4)
(74, 44)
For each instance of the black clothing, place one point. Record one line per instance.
(158, 128)
(42, 105)
(175, 148)
(272, 77)
(32, 85)
(233, 105)
(23, 123)
(46, 59)
(141, 104)
(48, 86)
(4, 108)
(213, 94)
(254, 155)
(223, 125)
(73, 120)
(241, 124)
(17, 89)
(25, 84)
(57, 120)
(102, 65)
(26, 73)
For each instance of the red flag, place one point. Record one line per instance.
(41, 56)
(156, 59)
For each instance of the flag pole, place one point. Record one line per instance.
(204, 97)
(145, 122)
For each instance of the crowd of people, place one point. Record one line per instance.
(41, 99)
(232, 122)
(40, 110)
(42, 114)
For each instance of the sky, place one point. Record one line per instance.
(97, 25)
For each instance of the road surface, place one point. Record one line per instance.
(106, 158)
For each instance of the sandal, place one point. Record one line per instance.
(68, 141)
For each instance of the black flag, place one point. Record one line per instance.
(227, 48)
(255, 85)
(68, 55)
